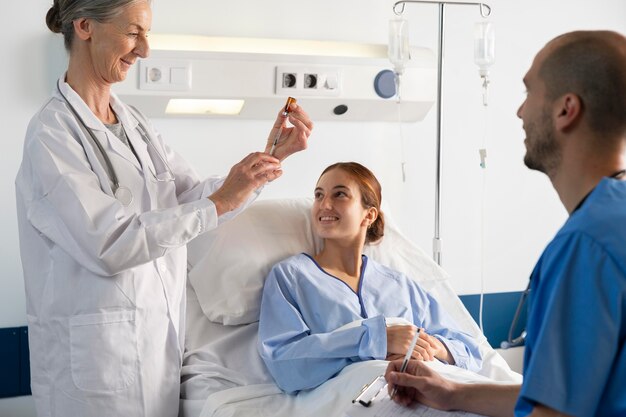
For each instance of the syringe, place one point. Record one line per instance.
(285, 113)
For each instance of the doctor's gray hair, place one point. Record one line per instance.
(62, 14)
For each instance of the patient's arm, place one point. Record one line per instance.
(308, 360)
(461, 348)
(299, 359)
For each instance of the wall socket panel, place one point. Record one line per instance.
(308, 81)
(164, 75)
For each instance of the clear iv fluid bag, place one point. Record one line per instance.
(484, 47)
(398, 49)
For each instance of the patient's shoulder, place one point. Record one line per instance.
(384, 270)
(294, 260)
(291, 265)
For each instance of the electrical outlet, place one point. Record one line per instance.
(288, 80)
(308, 80)
(165, 75)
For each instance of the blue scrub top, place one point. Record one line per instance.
(303, 307)
(575, 356)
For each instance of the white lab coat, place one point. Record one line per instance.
(105, 284)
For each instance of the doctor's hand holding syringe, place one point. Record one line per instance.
(257, 169)
(283, 141)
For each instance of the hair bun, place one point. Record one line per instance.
(53, 18)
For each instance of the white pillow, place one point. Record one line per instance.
(228, 266)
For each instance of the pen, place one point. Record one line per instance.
(280, 129)
(405, 362)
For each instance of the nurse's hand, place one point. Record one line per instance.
(292, 139)
(254, 171)
(420, 384)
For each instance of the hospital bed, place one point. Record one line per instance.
(223, 375)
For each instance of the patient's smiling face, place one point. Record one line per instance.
(337, 211)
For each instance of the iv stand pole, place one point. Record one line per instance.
(485, 10)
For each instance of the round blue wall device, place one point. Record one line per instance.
(385, 84)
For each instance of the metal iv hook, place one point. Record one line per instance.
(485, 9)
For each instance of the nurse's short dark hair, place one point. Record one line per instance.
(371, 194)
(62, 14)
(592, 65)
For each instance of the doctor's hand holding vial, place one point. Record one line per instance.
(574, 117)
(105, 210)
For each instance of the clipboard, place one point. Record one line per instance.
(374, 401)
(370, 391)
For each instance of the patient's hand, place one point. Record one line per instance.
(437, 348)
(399, 340)
(427, 347)
(394, 356)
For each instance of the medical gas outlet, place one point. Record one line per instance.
(308, 81)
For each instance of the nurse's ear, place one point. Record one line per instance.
(569, 112)
(83, 28)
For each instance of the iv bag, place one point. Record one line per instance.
(398, 49)
(484, 47)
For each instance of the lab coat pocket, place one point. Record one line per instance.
(104, 350)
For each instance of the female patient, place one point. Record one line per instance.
(309, 299)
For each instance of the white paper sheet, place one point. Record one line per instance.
(383, 406)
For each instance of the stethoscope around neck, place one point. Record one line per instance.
(518, 341)
(122, 193)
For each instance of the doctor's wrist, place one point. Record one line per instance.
(221, 205)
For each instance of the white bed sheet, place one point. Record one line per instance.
(224, 376)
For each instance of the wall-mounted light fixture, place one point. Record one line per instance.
(259, 74)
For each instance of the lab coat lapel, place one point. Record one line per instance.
(106, 138)
(130, 124)
(119, 147)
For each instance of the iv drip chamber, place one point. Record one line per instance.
(398, 48)
(484, 47)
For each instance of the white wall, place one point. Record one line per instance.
(521, 210)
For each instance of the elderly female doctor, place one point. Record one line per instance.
(105, 209)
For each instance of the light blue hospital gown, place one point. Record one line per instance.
(575, 356)
(303, 307)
